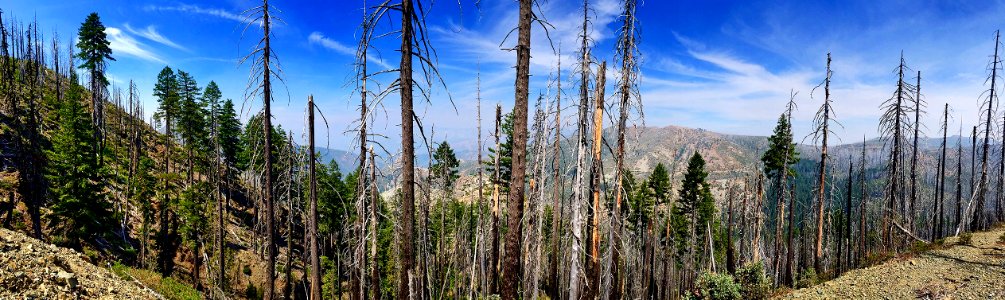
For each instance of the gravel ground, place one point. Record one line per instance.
(975, 271)
(31, 269)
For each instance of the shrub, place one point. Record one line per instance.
(806, 279)
(717, 287)
(247, 270)
(1001, 239)
(251, 292)
(966, 238)
(754, 284)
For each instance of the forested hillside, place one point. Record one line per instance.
(197, 198)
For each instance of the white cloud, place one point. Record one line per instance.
(151, 33)
(320, 39)
(122, 43)
(195, 9)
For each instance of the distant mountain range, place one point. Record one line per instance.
(728, 156)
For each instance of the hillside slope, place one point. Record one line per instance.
(961, 271)
(32, 269)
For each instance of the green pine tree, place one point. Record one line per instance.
(505, 153)
(444, 169)
(80, 211)
(779, 144)
(229, 133)
(695, 210)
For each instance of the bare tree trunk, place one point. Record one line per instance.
(270, 278)
(593, 239)
(511, 268)
(494, 255)
(959, 181)
(980, 220)
(862, 249)
(629, 69)
(846, 234)
(481, 192)
(818, 252)
(578, 189)
(375, 276)
(556, 209)
(940, 197)
(914, 158)
(312, 229)
(408, 156)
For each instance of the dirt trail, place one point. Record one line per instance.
(32, 269)
(975, 271)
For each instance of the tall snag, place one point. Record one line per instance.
(940, 194)
(263, 69)
(980, 220)
(627, 50)
(596, 168)
(511, 265)
(892, 125)
(919, 105)
(821, 124)
(578, 188)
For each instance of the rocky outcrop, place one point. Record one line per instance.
(32, 269)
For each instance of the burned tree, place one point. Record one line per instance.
(264, 68)
(980, 220)
(940, 188)
(627, 50)
(821, 131)
(892, 126)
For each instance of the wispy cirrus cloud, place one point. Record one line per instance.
(320, 39)
(195, 9)
(122, 43)
(151, 33)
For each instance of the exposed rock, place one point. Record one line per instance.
(958, 272)
(32, 269)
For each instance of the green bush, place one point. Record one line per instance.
(251, 292)
(173, 289)
(966, 238)
(247, 270)
(754, 284)
(717, 287)
(806, 279)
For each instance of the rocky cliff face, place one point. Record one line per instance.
(32, 269)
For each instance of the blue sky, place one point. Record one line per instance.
(720, 65)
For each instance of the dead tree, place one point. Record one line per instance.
(481, 189)
(493, 276)
(959, 181)
(627, 49)
(980, 219)
(519, 159)
(940, 194)
(557, 195)
(821, 124)
(845, 234)
(892, 126)
(263, 69)
(593, 238)
(312, 227)
(919, 105)
(579, 197)
(862, 246)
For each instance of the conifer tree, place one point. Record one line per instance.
(94, 51)
(80, 211)
(777, 160)
(693, 215)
